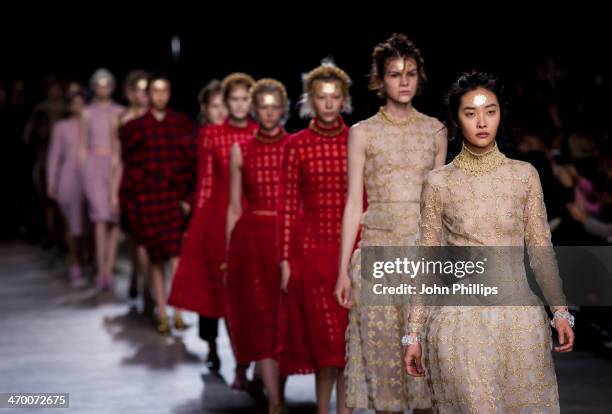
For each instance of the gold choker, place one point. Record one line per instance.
(477, 164)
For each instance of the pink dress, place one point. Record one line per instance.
(64, 174)
(101, 119)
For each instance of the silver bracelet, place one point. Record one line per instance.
(411, 339)
(565, 315)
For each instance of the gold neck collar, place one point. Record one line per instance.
(477, 164)
(400, 124)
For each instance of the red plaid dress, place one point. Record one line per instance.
(311, 199)
(253, 275)
(198, 282)
(157, 175)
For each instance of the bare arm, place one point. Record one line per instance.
(234, 210)
(354, 200)
(353, 210)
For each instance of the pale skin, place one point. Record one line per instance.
(400, 83)
(479, 117)
(269, 111)
(239, 104)
(327, 100)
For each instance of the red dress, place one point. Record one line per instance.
(198, 283)
(312, 193)
(253, 274)
(157, 176)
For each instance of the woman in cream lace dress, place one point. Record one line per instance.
(391, 154)
(488, 359)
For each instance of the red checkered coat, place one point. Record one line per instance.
(158, 172)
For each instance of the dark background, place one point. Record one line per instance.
(214, 44)
(549, 58)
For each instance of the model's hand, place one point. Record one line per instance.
(412, 360)
(186, 207)
(342, 292)
(285, 275)
(566, 335)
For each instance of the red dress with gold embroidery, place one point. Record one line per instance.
(198, 283)
(312, 193)
(253, 274)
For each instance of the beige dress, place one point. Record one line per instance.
(396, 164)
(489, 359)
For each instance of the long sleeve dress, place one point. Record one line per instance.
(312, 192)
(489, 359)
(198, 283)
(253, 274)
(397, 161)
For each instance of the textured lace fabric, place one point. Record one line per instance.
(253, 274)
(312, 192)
(397, 162)
(198, 284)
(260, 173)
(489, 359)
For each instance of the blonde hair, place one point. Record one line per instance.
(235, 79)
(269, 85)
(327, 71)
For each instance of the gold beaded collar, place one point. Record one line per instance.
(477, 164)
(400, 124)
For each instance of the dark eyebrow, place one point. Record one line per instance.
(471, 108)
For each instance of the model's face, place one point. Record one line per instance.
(269, 109)
(103, 88)
(215, 111)
(159, 94)
(239, 102)
(77, 104)
(327, 100)
(137, 94)
(479, 116)
(401, 79)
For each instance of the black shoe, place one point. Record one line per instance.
(213, 363)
